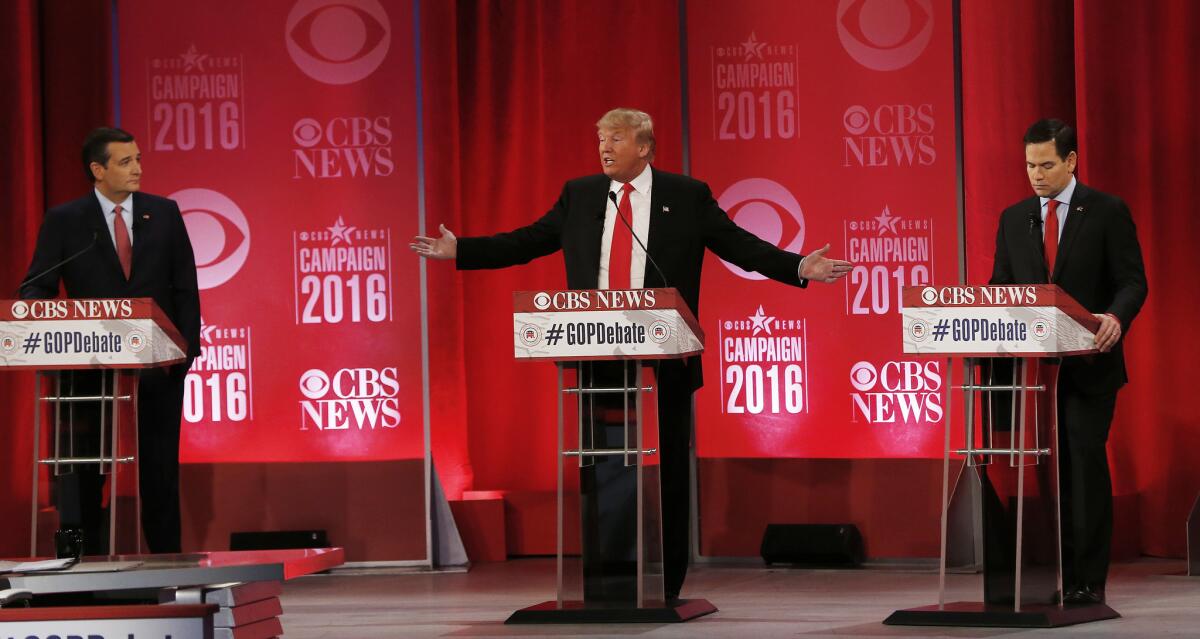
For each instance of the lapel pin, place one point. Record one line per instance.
(666, 209)
(145, 216)
(1079, 208)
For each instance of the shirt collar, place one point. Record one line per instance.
(1064, 196)
(641, 183)
(108, 205)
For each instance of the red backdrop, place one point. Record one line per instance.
(298, 211)
(511, 92)
(858, 152)
(1134, 105)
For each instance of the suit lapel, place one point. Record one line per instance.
(104, 240)
(660, 203)
(1035, 242)
(1075, 219)
(595, 199)
(142, 220)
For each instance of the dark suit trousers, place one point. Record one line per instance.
(1086, 487)
(160, 409)
(675, 439)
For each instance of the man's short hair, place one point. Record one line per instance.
(1060, 132)
(95, 147)
(637, 121)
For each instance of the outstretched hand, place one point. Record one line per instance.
(439, 248)
(818, 268)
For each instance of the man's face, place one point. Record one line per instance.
(122, 174)
(621, 157)
(1048, 173)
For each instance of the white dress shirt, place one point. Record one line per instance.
(639, 200)
(1064, 197)
(109, 207)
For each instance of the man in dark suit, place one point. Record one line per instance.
(677, 219)
(119, 242)
(1085, 242)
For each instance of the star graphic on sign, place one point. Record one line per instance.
(206, 331)
(761, 321)
(193, 59)
(752, 48)
(887, 221)
(341, 232)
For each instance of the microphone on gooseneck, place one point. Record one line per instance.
(612, 196)
(95, 238)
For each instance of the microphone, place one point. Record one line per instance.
(1035, 220)
(612, 196)
(95, 237)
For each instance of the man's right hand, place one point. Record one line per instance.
(440, 248)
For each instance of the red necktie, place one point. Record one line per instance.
(1050, 240)
(620, 252)
(124, 246)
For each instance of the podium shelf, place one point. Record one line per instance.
(1006, 387)
(608, 451)
(67, 461)
(1036, 452)
(58, 399)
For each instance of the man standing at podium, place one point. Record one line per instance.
(633, 226)
(119, 242)
(1085, 242)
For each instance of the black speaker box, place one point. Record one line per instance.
(278, 539)
(839, 545)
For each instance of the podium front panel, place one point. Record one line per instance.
(1020, 492)
(605, 435)
(86, 433)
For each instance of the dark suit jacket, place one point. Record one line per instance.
(677, 240)
(1099, 263)
(163, 266)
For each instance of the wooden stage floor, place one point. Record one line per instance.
(755, 602)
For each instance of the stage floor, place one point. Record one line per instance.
(754, 601)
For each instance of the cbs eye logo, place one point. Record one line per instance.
(863, 376)
(337, 41)
(314, 383)
(768, 210)
(307, 132)
(856, 119)
(884, 36)
(219, 233)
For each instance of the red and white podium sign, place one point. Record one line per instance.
(87, 333)
(1027, 320)
(648, 323)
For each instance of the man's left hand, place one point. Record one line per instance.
(818, 268)
(1109, 333)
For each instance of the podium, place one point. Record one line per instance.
(63, 340)
(1004, 337)
(607, 345)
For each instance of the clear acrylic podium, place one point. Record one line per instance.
(606, 345)
(1008, 340)
(86, 354)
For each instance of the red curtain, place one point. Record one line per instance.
(1017, 67)
(58, 86)
(1137, 66)
(443, 205)
(511, 94)
(1125, 74)
(511, 118)
(21, 181)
